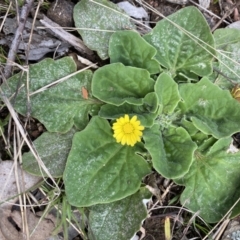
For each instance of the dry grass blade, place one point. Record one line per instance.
(226, 216)
(60, 80)
(24, 136)
(189, 224)
(209, 12)
(122, 14)
(221, 229)
(59, 32)
(31, 33)
(201, 43)
(5, 16)
(226, 14)
(17, 37)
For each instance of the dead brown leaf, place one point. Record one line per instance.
(44, 227)
(9, 182)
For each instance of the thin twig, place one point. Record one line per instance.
(60, 33)
(233, 81)
(16, 41)
(25, 137)
(218, 234)
(209, 12)
(60, 80)
(226, 216)
(32, 28)
(4, 19)
(226, 14)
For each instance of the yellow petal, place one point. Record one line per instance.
(126, 118)
(127, 137)
(133, 119)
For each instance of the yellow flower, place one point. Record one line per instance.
(127, 131)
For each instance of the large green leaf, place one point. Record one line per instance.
(171, 150)
(212, 110)
(183, 42)
(197, 136)
(227, 45)
(62, 105)
(145, 113)
(131, 49)
(212, 184)
(118, 220)
(112, 112)
(53, 149)
(226, 36)
(117, 84)
(100, 170)
(167, 91)
(97, 20)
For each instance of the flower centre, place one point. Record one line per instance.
(128, 128)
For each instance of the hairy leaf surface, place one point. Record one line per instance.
(118, 220)
(184, 43)
(131, 49)
(53, 149)
(171, 150)
(212, 110)
(100, 170)
(97, 20)
(117, 84)
(60, 106)
(212, 184)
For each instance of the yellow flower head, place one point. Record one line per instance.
(127, 131)
(236, 92)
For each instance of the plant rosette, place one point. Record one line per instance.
(154, 107)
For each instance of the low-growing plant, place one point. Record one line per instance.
(157, 106)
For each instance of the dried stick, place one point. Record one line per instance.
(226, 14)
(16, 41)
(209, 12)
(60, 33)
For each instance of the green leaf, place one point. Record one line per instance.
(97, 20)
(60, 106)
(109, 111)
(226, 36)
(100, 170)
(150, 102)
(212, 184)
(227, 44)
(197, 136)
(218, 79)
(212, 110)
(3, 123)
(206, 144)
(145, 113)
(131, 49)
(171, 150)
(118, 220)
(189, 126)
(167, 92)
(117, 84)
(53, 149)
(184, 43)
